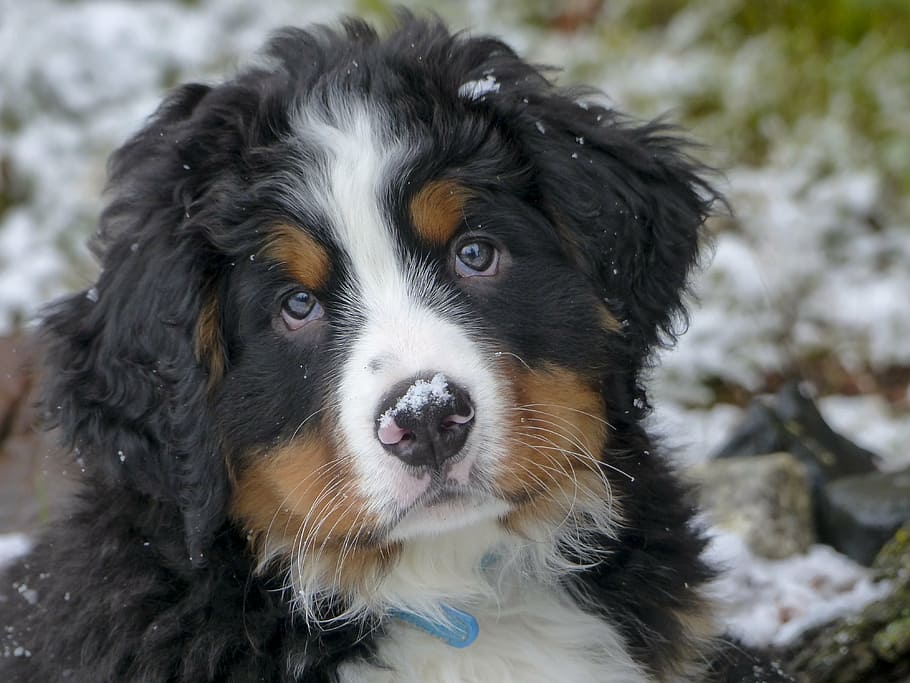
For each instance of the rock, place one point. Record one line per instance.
(893, 561)
(871, 647)
(857, 515)
(765, 500)
(737, 663)
(790, 422)
(34, 483)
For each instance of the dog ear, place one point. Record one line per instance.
(631, 205)
(628, 199)
(126, 384)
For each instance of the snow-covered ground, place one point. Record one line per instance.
(771, 602)
(11, 546)
(814, 263)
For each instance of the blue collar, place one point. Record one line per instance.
(459, 629)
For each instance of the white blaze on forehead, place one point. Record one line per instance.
(359, 159)
(401, 336)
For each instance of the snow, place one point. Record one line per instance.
(418, 395)
(816, 257)
(873, 424)
(771, 602)
(12, 546)
(476, 90)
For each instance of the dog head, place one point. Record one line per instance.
(375, 289)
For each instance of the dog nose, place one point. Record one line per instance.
(425, 421)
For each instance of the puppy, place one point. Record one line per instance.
(357, 394)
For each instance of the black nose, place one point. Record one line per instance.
(424, 421)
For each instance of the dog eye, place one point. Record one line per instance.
(477, 257)
(299, 308)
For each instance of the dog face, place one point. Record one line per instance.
(375, 290)
(437, 379)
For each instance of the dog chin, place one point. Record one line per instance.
(447, 513)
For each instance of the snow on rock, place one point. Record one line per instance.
(873, 424)
(771, 602)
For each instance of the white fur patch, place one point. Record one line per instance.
(410, 327)
(534, 636)
(455, 552)
(530, 629)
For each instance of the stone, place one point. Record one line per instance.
(871, 647)
(790, 422)
(857, 515)
(893, 561)
(765, 500)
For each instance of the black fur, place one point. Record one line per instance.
(148, 579)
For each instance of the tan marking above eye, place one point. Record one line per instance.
(437, 210)
(303, 257)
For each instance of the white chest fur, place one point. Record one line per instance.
(535, 637)
(531, 631)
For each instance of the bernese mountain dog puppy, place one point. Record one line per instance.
(357, 394)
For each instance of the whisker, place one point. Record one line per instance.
(530, 406)
(328, 502)
(585, 454)
(499, 354)
(319, 472)
(307, 419)
(324, 491)
(560, 468)
(585, 457)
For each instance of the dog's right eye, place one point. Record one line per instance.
(476, 257)
(299, 308)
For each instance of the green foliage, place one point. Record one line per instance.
(376, 9)
(816, 59)
(873, 645)
(893, 641)
(823, 24)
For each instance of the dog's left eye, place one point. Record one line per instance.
(299, 308)
(476, 258)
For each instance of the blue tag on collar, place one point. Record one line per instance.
(459, 630)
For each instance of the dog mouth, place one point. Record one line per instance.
(446, 494)
(446, 505)
(444, 491)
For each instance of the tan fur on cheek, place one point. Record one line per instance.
(557, 434)
(299, 502)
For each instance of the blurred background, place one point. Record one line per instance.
(804, 107)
